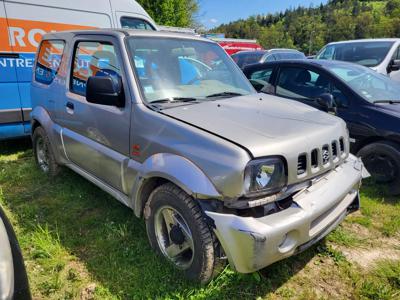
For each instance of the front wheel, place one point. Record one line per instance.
(177, 230)
(382, 160)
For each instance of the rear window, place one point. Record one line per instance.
(48, 61)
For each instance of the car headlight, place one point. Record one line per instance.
(263, 176)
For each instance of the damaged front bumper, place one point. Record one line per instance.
(254, 243)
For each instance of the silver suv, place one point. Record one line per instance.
(169, 125)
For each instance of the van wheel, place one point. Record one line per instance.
(382, 160)
(177, 230)
(43, 153)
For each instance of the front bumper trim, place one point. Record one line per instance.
(254, 243)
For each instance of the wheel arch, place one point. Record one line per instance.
(374, 139)
(163, 168)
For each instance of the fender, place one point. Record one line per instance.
(53, 131)
(177, 170)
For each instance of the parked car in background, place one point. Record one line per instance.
(369, 102)
(216, 169)
(13, 277)
(22, 24)
(244, 58)
(381, 55)
(232, 46)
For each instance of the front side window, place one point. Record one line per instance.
(370, 85)
(369, 54)
(301, 83)
(93, 59)
(135, 23)
(170, 68)
(48, 61)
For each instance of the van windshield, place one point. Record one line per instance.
(369, 54)
(370, 85)
(182, 69)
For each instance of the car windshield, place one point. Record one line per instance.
(173, 69)
(369, 54)
(370, 85)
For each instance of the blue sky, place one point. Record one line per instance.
(215, 12)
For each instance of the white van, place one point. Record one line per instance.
(22, 24)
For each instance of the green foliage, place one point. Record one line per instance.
(309, 29)
(178, 13)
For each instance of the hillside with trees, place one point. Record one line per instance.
(308, 29)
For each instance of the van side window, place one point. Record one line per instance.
(48, 61)
(93, 59)
(135, 23)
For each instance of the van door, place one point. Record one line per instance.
(96, 137)
(10, 103)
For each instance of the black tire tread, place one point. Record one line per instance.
(54, 167)
(208, 239)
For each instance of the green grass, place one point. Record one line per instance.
(79, 241)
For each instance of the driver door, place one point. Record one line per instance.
(96, 137)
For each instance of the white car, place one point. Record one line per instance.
(381, 55)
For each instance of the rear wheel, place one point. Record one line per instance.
(177, 230)
(43, 153)
(382, 160)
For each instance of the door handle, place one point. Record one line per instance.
(70, 107)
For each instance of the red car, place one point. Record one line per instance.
(232, 46)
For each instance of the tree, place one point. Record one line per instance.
(180, 13)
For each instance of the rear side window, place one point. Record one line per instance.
(135, 23)
(48, 61)
(263, 75)
(93, 59)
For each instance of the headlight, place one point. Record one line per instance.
(263, 176)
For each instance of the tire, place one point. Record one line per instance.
(382, 160)
(43, 153)
(199, 261)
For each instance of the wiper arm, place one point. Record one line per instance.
(223, 94)
(387, 101)
(174, 99)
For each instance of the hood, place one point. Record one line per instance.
(387, 108)
(263, 124)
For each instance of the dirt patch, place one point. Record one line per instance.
(379, 249)
(324, 278)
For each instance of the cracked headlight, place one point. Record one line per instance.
(264, 176)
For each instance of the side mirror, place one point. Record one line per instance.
(105, 90)
(262, 86)
(394, 65)
(327, 102)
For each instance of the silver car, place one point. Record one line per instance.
(168, 125)
(381, 55)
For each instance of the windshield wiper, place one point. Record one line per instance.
(224, 94)
(174, 99)
(387, 101)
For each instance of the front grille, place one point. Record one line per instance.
(302, 164)
(326, 155)
(321, 158)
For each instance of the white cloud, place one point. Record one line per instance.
(214, 21)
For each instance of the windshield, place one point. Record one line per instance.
(369, 54)
(179, 69)
(369, 84)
